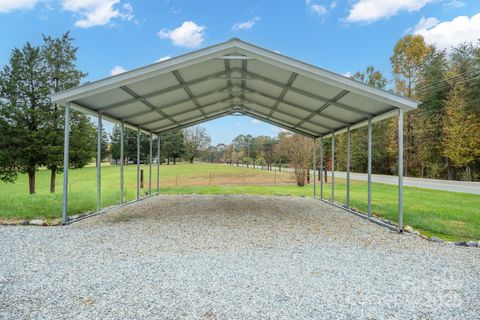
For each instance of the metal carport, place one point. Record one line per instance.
(235, 77)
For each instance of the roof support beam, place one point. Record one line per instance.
(244, 83)
(325, 106)
(172, 104)
(162, 91)
(229, 82)
(287, 114)
(263, 117)
(283, 93)
(211, 116)
(254, 76)
(185, 112)
(148, 104)
(188, 91)
(234, 58)
(297, 106)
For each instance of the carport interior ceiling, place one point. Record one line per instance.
(234, 77)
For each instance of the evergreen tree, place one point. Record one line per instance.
(83, 141)
(59, 56)
(172, 145)
(24, 93)
(130, 145)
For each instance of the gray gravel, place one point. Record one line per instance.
(232, 257)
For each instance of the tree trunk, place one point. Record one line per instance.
(31, 181)
(174, 160)
(449, 171)
(300, 178)
(53, 177)
(191, 159)
(325, 173)
(468, 172)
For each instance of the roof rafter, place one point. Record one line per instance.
(263, 117)
(284, 92)
(163, 91)
(229, 82)
(188, 91)
(297, 106)
(211, 116)
(255, 76)
(325, 106)
(186, 111)
(285, 113)
(173, 104)
(148, 104)
(244, 82)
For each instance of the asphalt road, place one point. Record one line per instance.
(435, 184)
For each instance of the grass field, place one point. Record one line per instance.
(449, 215)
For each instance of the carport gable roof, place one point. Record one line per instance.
(235, 77)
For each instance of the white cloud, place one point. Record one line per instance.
(117, 70)
(317, 8)
(245, 25)
(455, 4)
(163, 58)
(447, 34)
(426, 23)
(255, 121)
(348, 74)
(10, 5)
(372, 10)
(189, 35)
(98, 12)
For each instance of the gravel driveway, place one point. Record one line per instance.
(232, 257)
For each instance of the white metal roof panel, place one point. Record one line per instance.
(235, 76)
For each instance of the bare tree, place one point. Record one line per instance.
(196, 140)
(299, 151)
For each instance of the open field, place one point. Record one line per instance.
(445, 214)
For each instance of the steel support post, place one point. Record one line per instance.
(150, 158)
(314, 158)
(333, 166)
(122, 156)
(66, 149)
(321, 167)
(370, 167)
(158, 163)
(138, 163)
(99, 163)
(348, 167)
(400, 170)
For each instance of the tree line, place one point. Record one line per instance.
(31, 126)
(441, 138)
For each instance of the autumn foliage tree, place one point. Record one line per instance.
(299, 151)
(461, 132)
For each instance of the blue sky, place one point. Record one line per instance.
(342, 36)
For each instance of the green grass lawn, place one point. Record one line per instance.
(449, 215)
